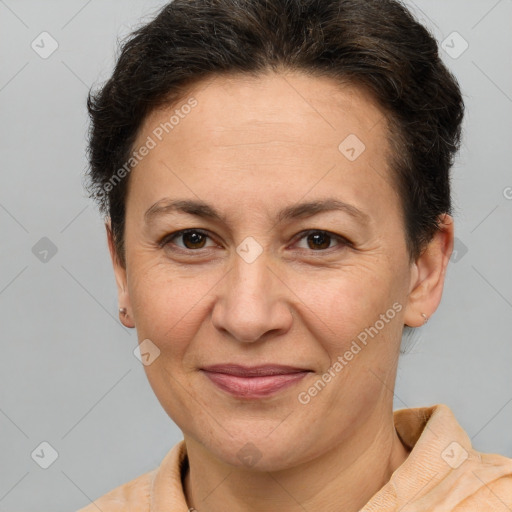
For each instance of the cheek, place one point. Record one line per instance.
(169, 306)
(348, 302)
(169, 310)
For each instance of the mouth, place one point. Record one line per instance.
(253, 382)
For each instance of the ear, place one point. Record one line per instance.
(120, 275)
(428, 274)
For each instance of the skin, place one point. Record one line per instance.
(249, 148)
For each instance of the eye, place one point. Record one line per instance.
(192, 239)
(319, 240)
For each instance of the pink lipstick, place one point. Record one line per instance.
(252, 382)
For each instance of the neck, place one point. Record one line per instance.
(344, 478)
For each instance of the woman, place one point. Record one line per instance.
(275, 177)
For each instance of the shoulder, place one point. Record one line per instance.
(443, 471)
(129, 497)
(159, 489)
(491, 476)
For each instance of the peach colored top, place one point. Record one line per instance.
(442, 473)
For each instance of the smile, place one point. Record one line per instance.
(256, 382)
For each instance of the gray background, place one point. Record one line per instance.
(68, 375)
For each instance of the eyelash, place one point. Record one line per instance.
(166, 241)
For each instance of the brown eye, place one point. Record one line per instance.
(318, 240)
(193, 239)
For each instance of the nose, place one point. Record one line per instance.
(252, 302)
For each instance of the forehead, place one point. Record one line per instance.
(287, 105)
(275, 134)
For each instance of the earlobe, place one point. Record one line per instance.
(428, 275)
(125, 318)
(121, 282)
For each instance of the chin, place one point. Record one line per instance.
(258, 452)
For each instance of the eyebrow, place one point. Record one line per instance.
(299, 211)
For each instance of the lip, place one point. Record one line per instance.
(252, 382)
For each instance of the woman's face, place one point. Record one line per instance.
(250, 286)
